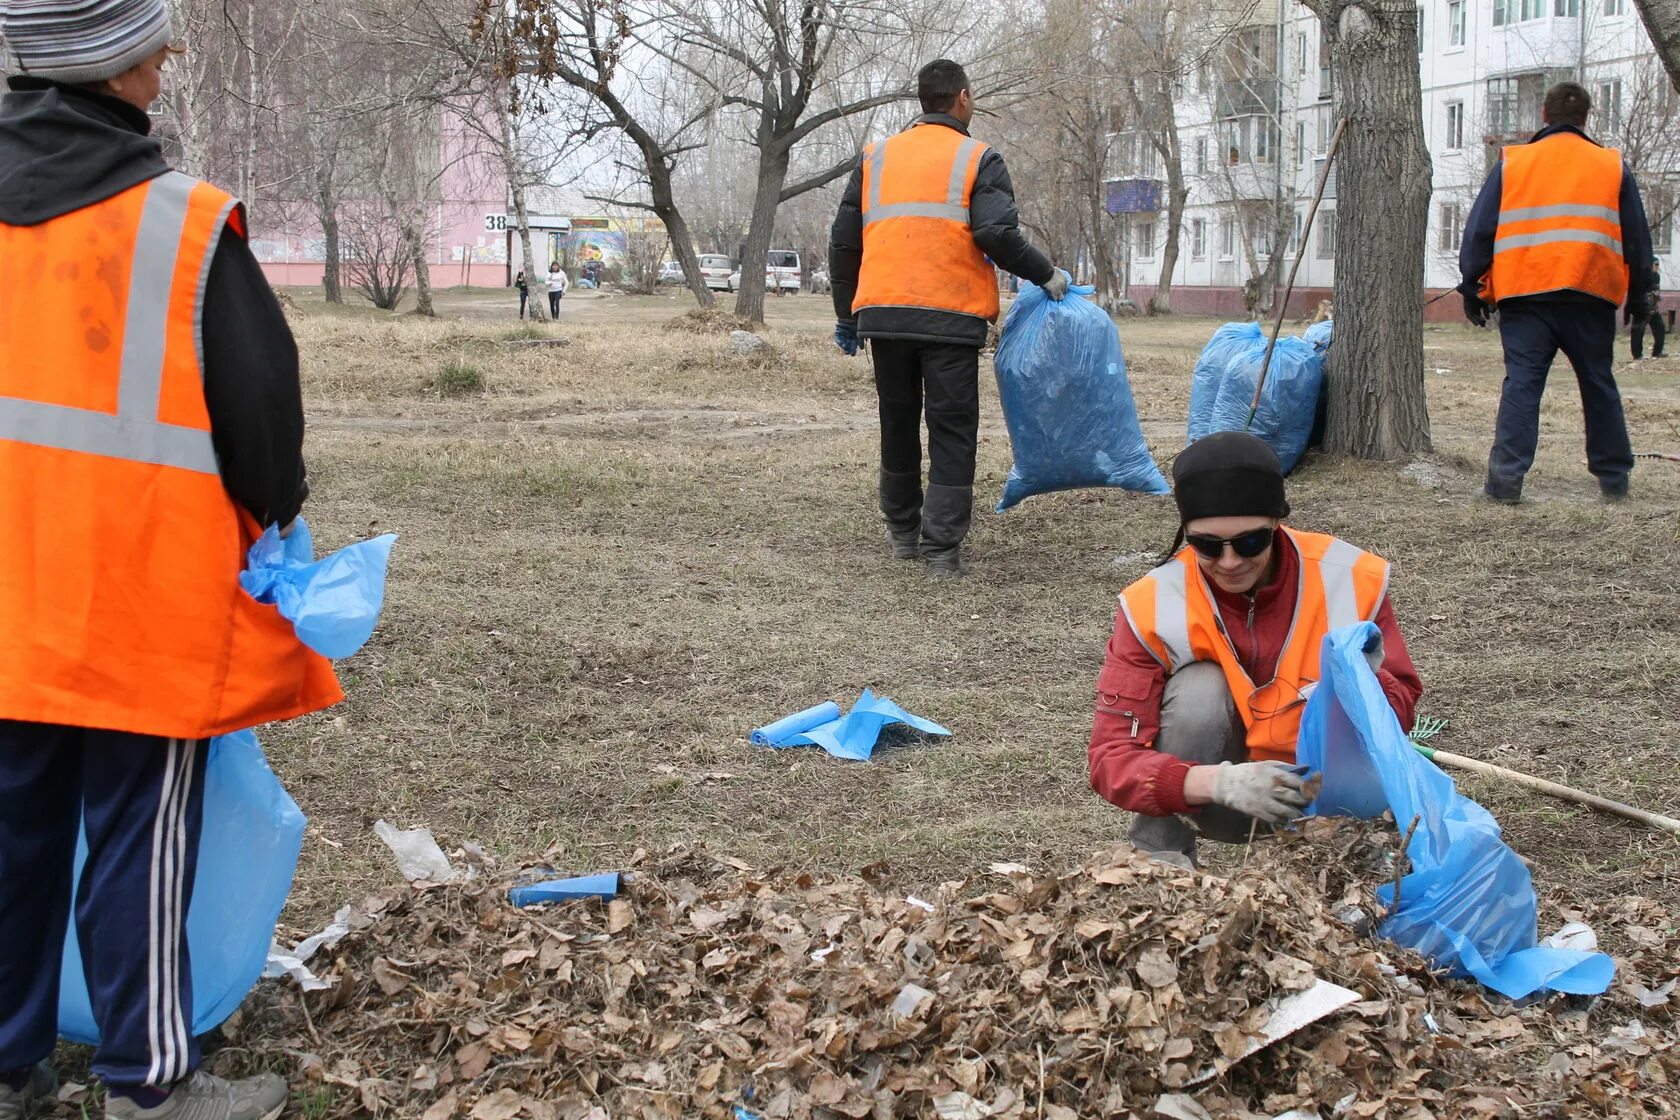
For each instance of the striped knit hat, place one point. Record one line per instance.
(83, 40)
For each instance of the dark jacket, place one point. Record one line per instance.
(63, 148)
(997, 231)
(1475, 255)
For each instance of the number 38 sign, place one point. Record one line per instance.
(495, 223)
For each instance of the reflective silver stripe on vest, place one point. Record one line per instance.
(916, 210)
(877, 160)
(1172, 614)
(1553, 236)
(959, 173)
(134, 432)
(1562, 210)
(1341, 598)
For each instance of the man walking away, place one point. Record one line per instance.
(1653, 319)
(909, 250)
(151, 424)
(1557, 240)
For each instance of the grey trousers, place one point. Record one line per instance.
(1200, 724)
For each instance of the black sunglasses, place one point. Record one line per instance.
(1247, 545)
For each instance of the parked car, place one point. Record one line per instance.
(784, 266)
(670, 273)
(715, 267)
(769, 281)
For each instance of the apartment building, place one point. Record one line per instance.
(1257, 118)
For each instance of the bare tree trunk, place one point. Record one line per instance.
(326, 208)
(1662, 24)
(509, 150)
(253, 110)
(682, 238)
(414, 238)
(1178, 194)
(1375, 371)
(772, 173)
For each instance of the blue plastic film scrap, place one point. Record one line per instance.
(1468, 904)
(1066, 400)
(853, 735)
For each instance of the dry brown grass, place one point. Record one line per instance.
(622, 554)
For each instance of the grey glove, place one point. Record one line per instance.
(1374, 653)
(1268, 791)
(1057, 286)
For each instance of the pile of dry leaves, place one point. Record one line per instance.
(1118, 986)
(709, 320)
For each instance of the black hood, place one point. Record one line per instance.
(63, 148)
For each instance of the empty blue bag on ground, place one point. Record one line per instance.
(1072, 421)
(253, 834)
(1468, 904)
(1226, 373)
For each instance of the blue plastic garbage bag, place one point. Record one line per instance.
(1222, 389)
(1072, 421)
(253, 833)
(852, 735)
(332, 602)
(1468, 904)
(1319, 334)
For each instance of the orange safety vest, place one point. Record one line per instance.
(918, 250)
(1560, 224)
(120, 549)
(1173, 613)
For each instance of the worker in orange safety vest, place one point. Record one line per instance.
(925, 218)
(1557, 241)
(151, 427)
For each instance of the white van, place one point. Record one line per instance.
(715, 267)
(784, 273)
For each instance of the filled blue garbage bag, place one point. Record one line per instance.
(1222, 389)
(248, 852)
(1468, 904)
(1319, 334)
(1072, 421)
(253, 830)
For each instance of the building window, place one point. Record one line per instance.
(1146, 240)
(1566, 8)
(1615, 7)
(1326, 235)
(1323, 129)
(1501, 11)
(1265, 140)
(1146, 157)
(1201, 155)
(1420, 30)
(1301, 52)
(1607, 99)
(1452, 227)
(1295, 234)
(1502, 111)
(1659, 212)
(1227, 239)
(1231, 141)
(1532, 9)
(1300, 144)
(1198, 238)
(1455, 23)
(1455, 125)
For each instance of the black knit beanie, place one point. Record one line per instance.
(1228, 474)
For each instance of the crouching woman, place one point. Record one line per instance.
(1215, 653)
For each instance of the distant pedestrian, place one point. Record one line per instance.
(1557, 241)
(524, 291)
(557, 285)
(1653, 318)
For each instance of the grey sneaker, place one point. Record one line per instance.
(41, 1087)
(203, 1097)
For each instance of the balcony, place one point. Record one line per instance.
(1134, 196)
(1244, 182)
(1243, 97)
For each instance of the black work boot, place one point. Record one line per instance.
(946, 513)
(901, 505)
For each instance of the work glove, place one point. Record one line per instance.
(1057, 286)
(1374, 653)
(1267, 791)
(1475, 310)
(846, 337)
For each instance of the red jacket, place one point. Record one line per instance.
(1125, 767)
